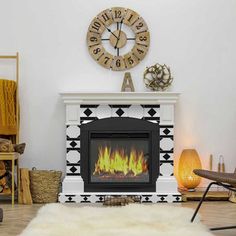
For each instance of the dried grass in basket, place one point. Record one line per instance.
(44, 185)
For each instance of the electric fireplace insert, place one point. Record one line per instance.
(120, 155)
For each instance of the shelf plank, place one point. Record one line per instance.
(8, 57)
(8, 156)
(211, 195)
(5, 194)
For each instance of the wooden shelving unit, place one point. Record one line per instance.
(12, 156)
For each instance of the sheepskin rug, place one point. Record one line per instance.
(131, 220)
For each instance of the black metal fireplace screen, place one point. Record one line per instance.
(120, 155)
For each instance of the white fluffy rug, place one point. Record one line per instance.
(131, 220)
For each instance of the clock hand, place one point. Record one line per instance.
(119, 34)
(111, 33)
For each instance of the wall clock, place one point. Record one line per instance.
(118, 38)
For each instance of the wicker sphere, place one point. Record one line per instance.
(157, 77)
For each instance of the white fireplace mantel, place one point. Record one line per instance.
(73, 100)
(119, 97)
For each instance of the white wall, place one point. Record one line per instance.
(195, 38)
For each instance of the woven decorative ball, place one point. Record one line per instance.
(157, 77)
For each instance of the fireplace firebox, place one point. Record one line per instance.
(120, 155)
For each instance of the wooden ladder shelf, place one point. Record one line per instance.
(13, 156)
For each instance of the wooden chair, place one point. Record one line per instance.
(226, 180)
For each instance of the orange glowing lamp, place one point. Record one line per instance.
(189, 160)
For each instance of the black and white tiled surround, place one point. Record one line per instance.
(86, 107)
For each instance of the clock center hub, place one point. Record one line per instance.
(118, 39)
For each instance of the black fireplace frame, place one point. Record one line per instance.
(123, 126)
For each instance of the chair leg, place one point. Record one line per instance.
(1, 214)
(222, 228)
(202, 199)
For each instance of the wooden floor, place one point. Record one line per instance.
(212, 213)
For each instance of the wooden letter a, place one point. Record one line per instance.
(127, 85)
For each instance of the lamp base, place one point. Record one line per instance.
(191, 189)
(186, 189)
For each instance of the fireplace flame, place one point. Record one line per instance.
(117, 161)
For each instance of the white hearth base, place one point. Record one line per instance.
(100, 197)
(73, 192)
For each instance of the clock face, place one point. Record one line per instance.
(118, 38)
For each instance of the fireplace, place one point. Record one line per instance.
(120, 154)
(95, 126)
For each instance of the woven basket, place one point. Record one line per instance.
(44, 185)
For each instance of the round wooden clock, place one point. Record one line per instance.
(118, 38)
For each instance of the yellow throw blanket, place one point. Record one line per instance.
(8, 124)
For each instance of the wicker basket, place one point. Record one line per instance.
(44, 185)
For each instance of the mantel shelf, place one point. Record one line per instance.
(119, 97)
